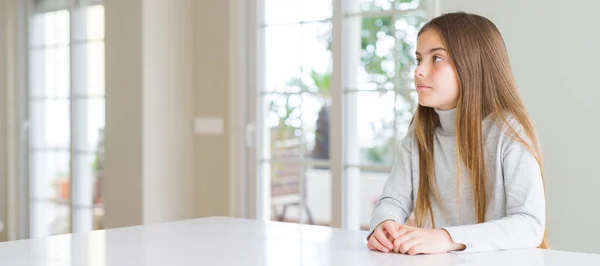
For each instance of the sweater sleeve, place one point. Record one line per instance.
(524, 223)
(397, 197)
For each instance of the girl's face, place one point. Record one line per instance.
(435, 78)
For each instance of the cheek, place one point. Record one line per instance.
(445, 80)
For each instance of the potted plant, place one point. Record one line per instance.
(62, 186)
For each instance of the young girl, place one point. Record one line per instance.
(469, 169)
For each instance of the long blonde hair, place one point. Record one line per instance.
(486, 87)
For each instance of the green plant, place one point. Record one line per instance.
(287, 115)
(381, 152)
(95, 164)
(316, 82)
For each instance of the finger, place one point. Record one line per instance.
(370, 246)
(400, 226)
(404, 231)
(374, 243)
(397, 246)
(380, 235)
(390, 238)
(409, 244)
(403, 239)
(416, 249)
(392, 229)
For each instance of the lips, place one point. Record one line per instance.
(423, 87)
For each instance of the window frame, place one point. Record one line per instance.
(343, 184)
(77, 16)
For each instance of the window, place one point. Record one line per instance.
(295, 98)
(66, 116)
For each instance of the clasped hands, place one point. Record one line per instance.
(391, 236)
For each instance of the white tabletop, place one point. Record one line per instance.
(229, 241)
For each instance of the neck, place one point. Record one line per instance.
(447, 120)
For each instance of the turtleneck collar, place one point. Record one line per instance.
(447, 121)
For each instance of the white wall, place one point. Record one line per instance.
(123, 176)
(553, 46)
(212, 85)
(167, 62)
(149, 108)
(12, 75)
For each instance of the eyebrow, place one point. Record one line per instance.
(433, 50)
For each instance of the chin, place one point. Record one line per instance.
(426, 104)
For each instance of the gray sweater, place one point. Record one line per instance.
(516, 211)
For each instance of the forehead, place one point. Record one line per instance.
(428, 40)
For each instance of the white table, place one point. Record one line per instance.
(228, 241)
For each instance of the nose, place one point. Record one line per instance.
(421, 71)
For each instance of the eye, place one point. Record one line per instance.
(419, 61)
(436, 59)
